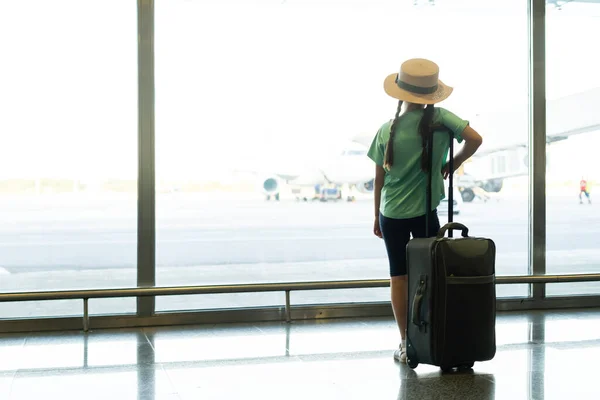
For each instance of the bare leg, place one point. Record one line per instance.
(399, 302)
(399, 291)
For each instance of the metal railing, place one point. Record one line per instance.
(286, 287)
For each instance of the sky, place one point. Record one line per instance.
(257, 85)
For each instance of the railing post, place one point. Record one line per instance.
(86, 315)
(288, 311)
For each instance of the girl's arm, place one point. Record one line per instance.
(379, 178)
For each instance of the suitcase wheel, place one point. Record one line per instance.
(446, 368)
(412, 364)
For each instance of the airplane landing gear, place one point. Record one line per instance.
(275, 196)
(467, 195)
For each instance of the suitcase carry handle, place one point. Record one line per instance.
(453, 226)
(417, 302)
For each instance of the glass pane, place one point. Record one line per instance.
(265, 109)
(311, 297)
(216, 301)
(68, 166)
(573, 134)
(38, 309)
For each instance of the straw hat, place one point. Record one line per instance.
(417, 83)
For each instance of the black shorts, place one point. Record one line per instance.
(396, 234)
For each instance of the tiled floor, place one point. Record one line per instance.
(551, 355)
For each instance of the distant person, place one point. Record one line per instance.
(584, 189)
(400, 154)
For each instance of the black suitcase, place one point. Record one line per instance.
(451, 294)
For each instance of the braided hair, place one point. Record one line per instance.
(389, 150)
(425, 131)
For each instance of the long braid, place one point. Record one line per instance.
(389, 150)
(426, 132)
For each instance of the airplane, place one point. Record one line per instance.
(340, 174)
(503, 155)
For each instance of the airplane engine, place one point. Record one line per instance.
(270, 186)
(366, 187)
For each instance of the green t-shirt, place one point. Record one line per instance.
(404, 189)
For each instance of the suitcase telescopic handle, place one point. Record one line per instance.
(453, 226)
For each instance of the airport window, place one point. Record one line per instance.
(68, 165)
(262, 128)
(573, 136)
(258, 128)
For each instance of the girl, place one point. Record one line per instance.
(400, 154)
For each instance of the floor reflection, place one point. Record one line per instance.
(540, 355)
